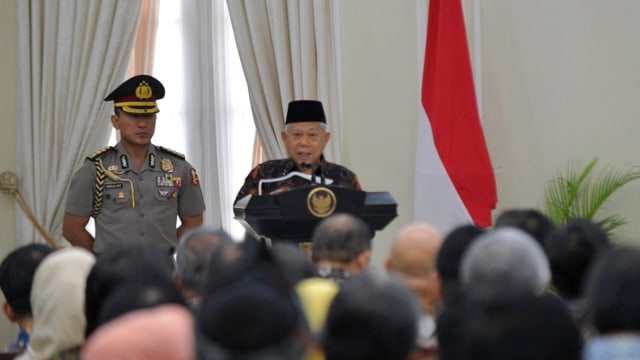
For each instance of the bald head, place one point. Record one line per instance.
(413, 256)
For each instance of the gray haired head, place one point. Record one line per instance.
(197, 246)
(505, 261)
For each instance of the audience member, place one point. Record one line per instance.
(449, 257)
(57, 298)
(135, 262)
(250, 310)
(504, 261)
(372, 317)
(315, 295)
(16, 276)
(294, 261)
(193, 254)
(531, 221)
(163, 332)
(133, 295)
(413, 257)
(613, 295)
(571, 250)
(507, 327)
(341, 246)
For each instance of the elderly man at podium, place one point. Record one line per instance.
(305, 137)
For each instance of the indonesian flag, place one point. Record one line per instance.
(454, 183)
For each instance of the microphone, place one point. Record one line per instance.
(309, 166)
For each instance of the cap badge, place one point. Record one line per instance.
(143, 91)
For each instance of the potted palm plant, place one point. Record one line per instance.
(582, 193)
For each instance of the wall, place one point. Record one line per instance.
(380, 103)
(8, 110)
(560, 85)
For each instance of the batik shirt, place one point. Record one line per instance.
(340, 176)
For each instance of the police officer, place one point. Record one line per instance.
(135, 190)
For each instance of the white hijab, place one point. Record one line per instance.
(57, 301)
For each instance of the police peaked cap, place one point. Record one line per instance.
(138, 95)
(305, 111)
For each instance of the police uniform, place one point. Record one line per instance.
(130, 204)
(298, 111)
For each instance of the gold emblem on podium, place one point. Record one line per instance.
(321, 202)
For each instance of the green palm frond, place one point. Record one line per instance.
(610, 223)
(562, 191)
(579, 193)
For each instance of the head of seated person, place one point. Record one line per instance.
(250, 309)
(612, 291)
(136, 295)
(531, 221)
(16, 277)
(341, 246)
(449, 257)
(294, 261)
(373, 316)
(57, 299)
(612, 295)
(128, 262)
(514, 326)
(571, 250)
(413, 257)
(162, 332)
(505, 261)
(195, 249)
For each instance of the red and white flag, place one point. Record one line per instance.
(454, 182)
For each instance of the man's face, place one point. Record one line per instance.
(305, 141)
(136, 129)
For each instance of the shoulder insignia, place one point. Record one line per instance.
(95, 154)
(172, 152)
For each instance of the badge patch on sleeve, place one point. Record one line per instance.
(194, 177)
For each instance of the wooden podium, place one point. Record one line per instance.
(293, 214)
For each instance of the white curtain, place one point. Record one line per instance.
(289, 50)
(72, 53)
(216, 107)
(144, 46)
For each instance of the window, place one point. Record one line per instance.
(170, 127)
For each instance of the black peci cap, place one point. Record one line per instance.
(138, 95)
(305, 111)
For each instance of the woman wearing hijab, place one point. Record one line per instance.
(57, 299)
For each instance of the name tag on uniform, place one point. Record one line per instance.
(114, 186)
